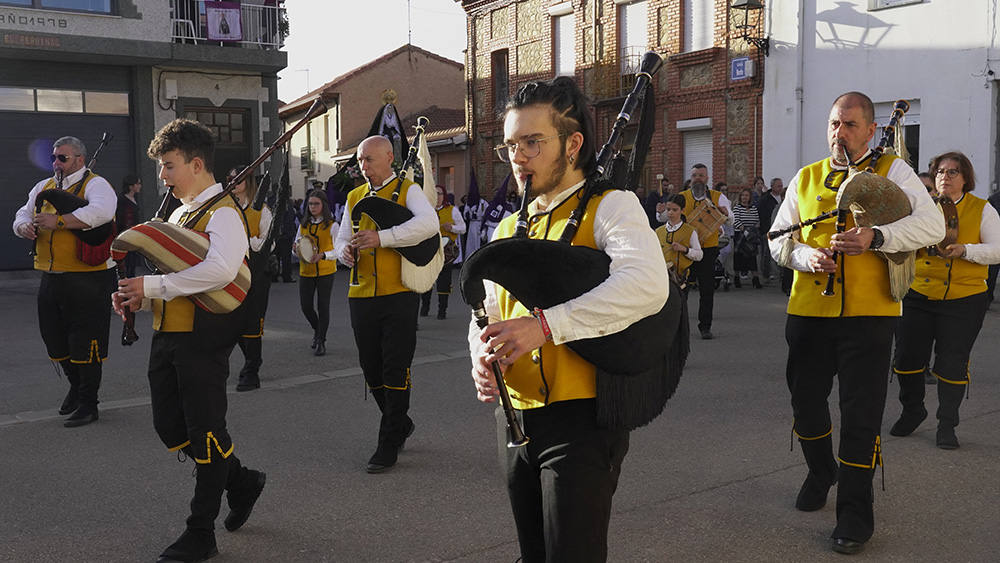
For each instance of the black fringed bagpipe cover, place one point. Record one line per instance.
(93, 245)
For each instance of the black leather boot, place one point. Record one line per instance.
(425, 304)
(90, 382)
(192, 546)
(855, 515)
(249, 375)
(442, 306)
(949, 399)
(72, 400)
(822, 474)
(911, 396)
(320, 347)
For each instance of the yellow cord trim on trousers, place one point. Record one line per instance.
(908, 372)
(968, 376)
(95, 355)
(259, 334)
(876, 456)
(59, 359)
(801, 437)
(175, 448)
(406, 384)
(209, 438)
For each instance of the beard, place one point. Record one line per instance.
(554, 178)
(839, 154)
(699, 190)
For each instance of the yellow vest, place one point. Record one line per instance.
(56, 251)
(954, 278)
(378, 268)
(555, 369)
(177, 315)
(444, 216)
(862, 287)
(677, 260)
(690, 205)
(252, 217)
(320, 234)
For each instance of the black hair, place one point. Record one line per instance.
(569, 114)
(676, 199)
(190, 138)
(128, 181)
(327, 215)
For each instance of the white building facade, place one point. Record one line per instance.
(941, 56)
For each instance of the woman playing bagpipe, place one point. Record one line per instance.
(258, 217)
(561, 483)
(946, 304)
(317, 264)
(678, 240)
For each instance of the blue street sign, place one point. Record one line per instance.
(738, 68)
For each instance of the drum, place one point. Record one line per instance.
(707, 219)
(308, 249)
(172, 248)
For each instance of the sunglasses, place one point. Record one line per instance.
(62, 158)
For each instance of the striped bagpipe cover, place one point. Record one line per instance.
(172, 248)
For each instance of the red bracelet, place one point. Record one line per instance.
(538, 314)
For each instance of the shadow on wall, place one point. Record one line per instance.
(844, 27)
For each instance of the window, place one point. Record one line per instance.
(564, 44)
(911, 130)
(17, 99)
(501, 80)
(94, 6)
(699, 16)
(227, 124)
(106, 102)
(632, 35)
(698, 149)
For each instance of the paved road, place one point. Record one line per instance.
(712, 479)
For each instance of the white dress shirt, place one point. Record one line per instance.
(101, 201)
(265, 225)
(923, 227)
(419, 228)
(694, 245)
(228, 246)
(637, 287)
(988, 251)
(457, 223)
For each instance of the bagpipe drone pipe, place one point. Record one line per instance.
(638, 368)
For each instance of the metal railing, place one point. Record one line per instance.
(263, 24)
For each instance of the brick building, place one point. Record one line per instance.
(702, 113)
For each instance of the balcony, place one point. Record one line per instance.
(259, 24)
(613, 79)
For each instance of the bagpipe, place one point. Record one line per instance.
(172, 248)
(422, 262)
(93, 244)
(872, 200)
(639, 367)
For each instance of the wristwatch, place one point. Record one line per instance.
(878, 239)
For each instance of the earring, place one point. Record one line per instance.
(572, 158)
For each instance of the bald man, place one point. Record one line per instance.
(383, 310)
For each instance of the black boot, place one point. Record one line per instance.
(250, 374)
(855, 515)
(756, 283)
(822, 473)
(442, 306)
(243, 487)
(72, 400)
(90, 382)
(197, 543)
(911, 396)
(320, 347)
(315, 340)
(425, 304)
(949, 399)
(394, 428)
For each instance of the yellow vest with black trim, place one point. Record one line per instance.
(177, 315)
(862, 281)
(56, 251)
(378, 268)
(690, 205)
(678, 260)
(444, 216)
(253, 221)
(320, 234)
(954, 278)
(555, 371)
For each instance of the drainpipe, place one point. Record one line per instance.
(799, 91)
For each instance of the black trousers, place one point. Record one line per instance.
(561, 484)
(283, 250)
(950, 328)
(857, 351)
(385, 330)
(74, 315)
(318, 317)
(443, 286)
(704, 272)
(991, 281)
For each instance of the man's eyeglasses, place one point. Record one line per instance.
(530, 148)
(950, 172)
(62, 158)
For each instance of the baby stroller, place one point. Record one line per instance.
(721, 275)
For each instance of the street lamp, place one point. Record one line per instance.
(762, 43)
